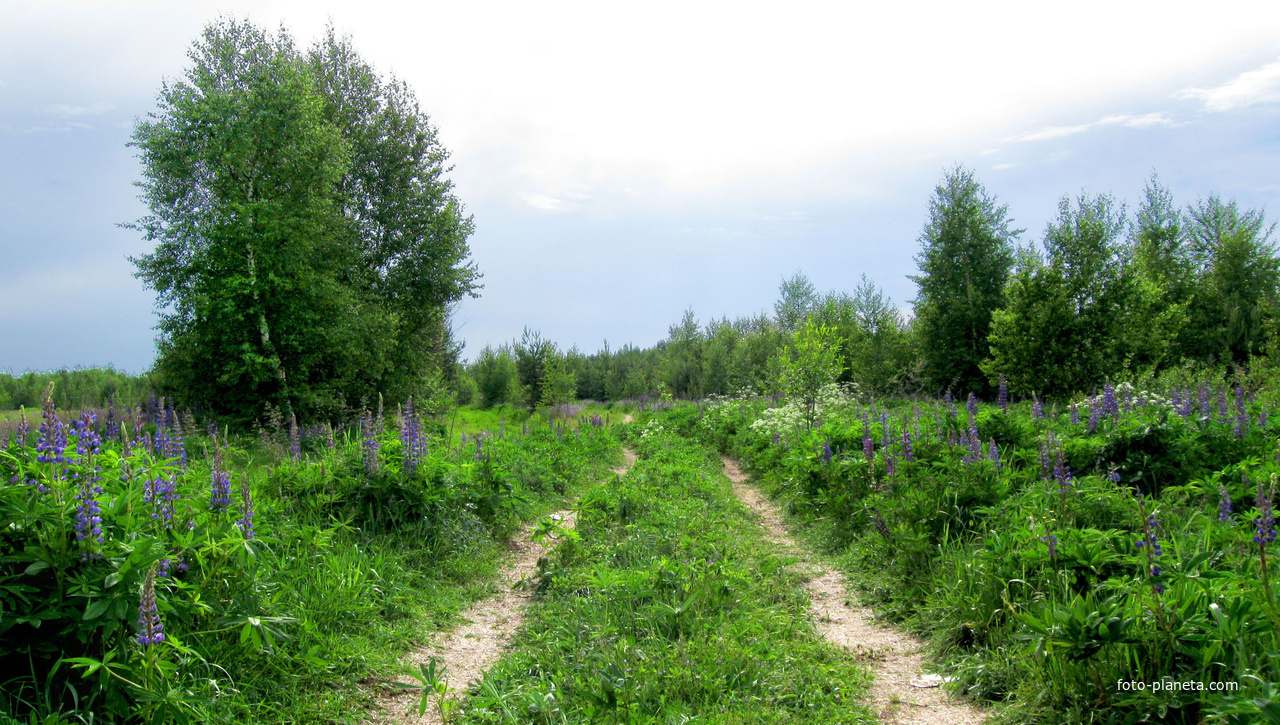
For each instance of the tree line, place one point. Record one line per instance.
(1102, 294)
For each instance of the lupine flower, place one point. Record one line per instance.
(826, 451)
(1149, 536)
(51, 444)
(24, 428)
(88, 442)
(889, 467)
(1242, 415)
(868, 447)
(1262, 419)
(246, 509)
(113, 426)
(1093, 418)
(1114, 475)
(1175, 400)
(1002, 397)
(480, 446)
(220, 483)
(1062, 474)
(1224, 504)
(1110, 407)
(1075, 414)
(295, 439)
(881, 527)
(1052, 542)
(775, 438)
(995, 454)
(160, 492)
(369, 442)
(150, 625)
(1205, 407)
(1223, 413)
(972, 405)
(88, 523)
(411, 438)
(907, 451)
(1265, 523)
(1046, 460)
(1037, 408)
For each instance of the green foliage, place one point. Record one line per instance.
(495, 374)
(307, 245)
(966, 255)
(341, 573)
(533, 353)
(809, 365)
(1029, 584)
(796, 299)
(1063, 326)
(666, 606)
(78, 388)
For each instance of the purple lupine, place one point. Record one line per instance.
(88, 522)
(1242, 415)
(150, 625)
(245, 521)
(410, 437)
(995, 453)
(1265, 523)
(24, 428)
(1149, 538)
(1093, 418)
(480, 446)
(113, 425)
(1206, 409)
(51, 444)
(881, 527)
(160, 492)
(369, 442)
(1037, 408)
(1062, 473)
(1002, 397)
(907, 451)
(1175, 399)
(1051, 541)
(775, 438)
(1262, 420)
(972, 405)
(295, 439)
(826, 452)
(1075, 414)
(1224, 504)
(889, 467)
(868, 446)
(220, 482)
(1223, 412)
(1110, 408)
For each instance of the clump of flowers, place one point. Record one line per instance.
(246, 509)
(150, 625)
(220, 481)
(160, 492)
(1224, 504)
(1051, 541)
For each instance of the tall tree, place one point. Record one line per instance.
(307, 248)
(1062, 329)
(796, 299)
(967, 250)
(1238, 268)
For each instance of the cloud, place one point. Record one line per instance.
(69, 111)
(1002, 167)
(1255, 86)
(1127, 120)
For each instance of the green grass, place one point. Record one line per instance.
(667, 606)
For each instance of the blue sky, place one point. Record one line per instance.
(624, 163)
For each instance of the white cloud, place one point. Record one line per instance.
(69, 111)
(1255, 86)
(1002, 167)
(1128, 120)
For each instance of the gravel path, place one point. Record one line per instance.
(895, 656)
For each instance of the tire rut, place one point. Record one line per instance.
(469, 650)
(895, 657)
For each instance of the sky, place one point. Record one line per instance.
(624, 162)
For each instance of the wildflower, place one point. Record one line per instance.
(246, 509)
(220, 482)
(150, 625)
(972, 405)
(1265, 523)
(826, 451)
(889, 467)
(413, 443)
(1224, 504)
(51, 444)
(1075, 414)
(1110, 407)
(881, 527)
(88, 523)
(369, 442)
(1205, 407)
(1223, 414)
(160, 492)
(1093, 418)
(1262, 419)
(1062, 474)
(868, 447)
(995, 454)
(1037, 408)
(907, 451)
(24, 428)
(295, 439)
(1052, 542)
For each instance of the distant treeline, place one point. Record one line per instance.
(80, 388)
(1103, 294)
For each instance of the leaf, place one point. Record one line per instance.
(95, 609)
